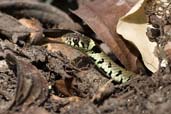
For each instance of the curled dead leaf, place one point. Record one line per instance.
(102, 16)
(32, 88)
(37, 34)
(133, 27)
(64, 86)
(12, 29)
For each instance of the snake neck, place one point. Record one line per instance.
(111, 69)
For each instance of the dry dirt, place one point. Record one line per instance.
(50, 78)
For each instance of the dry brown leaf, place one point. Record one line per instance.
(69, 99)
(35, 25)
(66, 50)
(32, 87)
(102, 16)
(133, 27)
(64, 86)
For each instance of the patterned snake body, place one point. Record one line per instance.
(102, 61)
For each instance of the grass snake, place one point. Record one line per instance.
(101, 60)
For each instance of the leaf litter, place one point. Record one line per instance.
(39, 75)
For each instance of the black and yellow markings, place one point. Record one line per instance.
(76, 42)
(102, 61)
(109, 65)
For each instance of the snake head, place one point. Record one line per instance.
(78, 40)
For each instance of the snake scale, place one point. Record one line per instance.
(101, 60)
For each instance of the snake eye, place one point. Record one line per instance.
(75, 39)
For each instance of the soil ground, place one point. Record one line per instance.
(72, 84)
